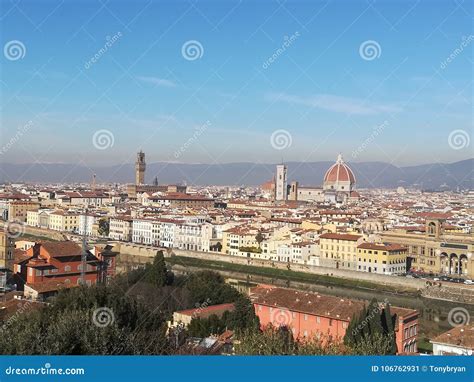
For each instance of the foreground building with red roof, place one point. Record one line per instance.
(314, 315)
(49, 266)
(457, 341)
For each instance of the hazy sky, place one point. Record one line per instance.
(224, 81)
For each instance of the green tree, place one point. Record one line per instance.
(104, 227)
(272, 341)
(243, 316)
(208, 287)
(156, 273)
(87, 320)
(388, 323)
(259, 238)
(372, 331)
(280, 341)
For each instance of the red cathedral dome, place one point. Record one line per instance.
(339, 172)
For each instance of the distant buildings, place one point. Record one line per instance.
(385, 259)
(338, 186)
(339, 250)
(432, 249)
(133, 190)
(7, 247)
(140, 167)
(281, 183)
(14, 207)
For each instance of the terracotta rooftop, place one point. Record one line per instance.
(306, 302)
(207, 311)
(340, 236)
(381, 247)
(460, 336)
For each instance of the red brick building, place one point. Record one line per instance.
(312, 315)
(56, 262)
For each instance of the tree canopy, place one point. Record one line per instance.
(372, 331)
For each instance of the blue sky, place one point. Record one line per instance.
(326, 93)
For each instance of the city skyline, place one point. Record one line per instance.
(236, 82)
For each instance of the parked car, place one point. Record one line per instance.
(469, 282)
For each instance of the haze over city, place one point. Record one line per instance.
(390, 77)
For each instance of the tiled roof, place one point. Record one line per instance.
(306, 302)
(340, 236)
(461, 336)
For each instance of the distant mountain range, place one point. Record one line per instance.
(434, 176)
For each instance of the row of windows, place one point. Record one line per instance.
(410, 331)
(305, 316)
(399, 261)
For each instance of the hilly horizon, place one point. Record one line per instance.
(368, 174)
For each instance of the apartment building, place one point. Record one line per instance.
(146, 231)
(387, 259)
(121, 228)
(194, 236)
(339, 250)
(60, 220)
(15, 209)
(298, 253)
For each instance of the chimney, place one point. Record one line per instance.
(36, 250)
